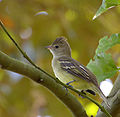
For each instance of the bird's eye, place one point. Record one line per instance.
(56, 46)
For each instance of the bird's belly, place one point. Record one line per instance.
(63, 76)
(66, 77)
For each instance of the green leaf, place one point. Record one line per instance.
(105, 43)
(106, 4)
(103, 65)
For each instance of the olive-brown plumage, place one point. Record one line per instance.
(67, 69)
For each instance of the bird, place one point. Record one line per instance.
(70, 71)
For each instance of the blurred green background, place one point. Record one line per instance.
(21, 97)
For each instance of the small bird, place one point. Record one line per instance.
(70, 71)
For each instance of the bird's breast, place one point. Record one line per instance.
(63, 75)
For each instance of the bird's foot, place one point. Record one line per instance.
(69, 85)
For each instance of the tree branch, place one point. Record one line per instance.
(38, 76)
(114, 100)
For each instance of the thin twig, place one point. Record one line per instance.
(56, 79)
(18, 47)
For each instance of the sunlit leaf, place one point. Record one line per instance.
(103, 65)
(106, 4)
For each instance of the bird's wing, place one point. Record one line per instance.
(75, 68)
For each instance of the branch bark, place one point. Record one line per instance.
(114, 100)
(40, 77)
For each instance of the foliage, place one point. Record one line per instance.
(106, 4)
(103, 65)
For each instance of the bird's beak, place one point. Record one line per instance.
(48, 47)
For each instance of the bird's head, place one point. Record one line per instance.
(60, 47)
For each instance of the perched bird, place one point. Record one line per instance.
(70, 71)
